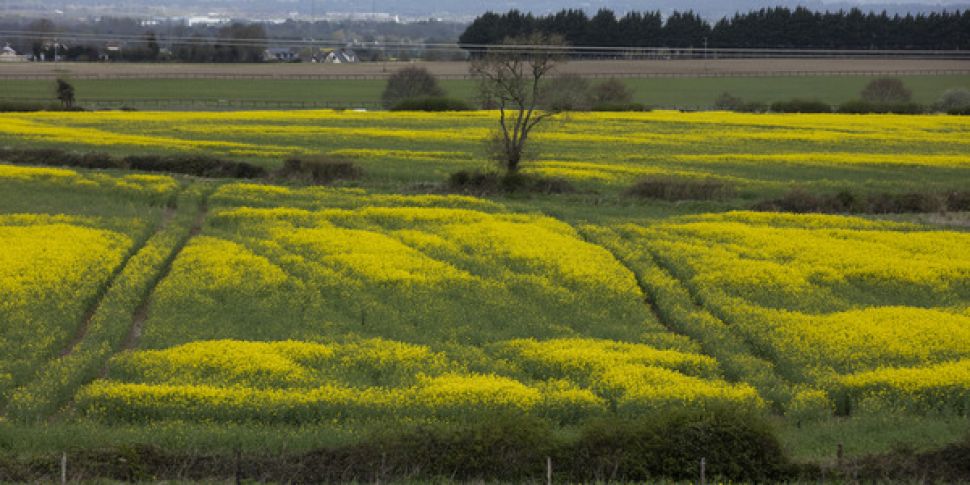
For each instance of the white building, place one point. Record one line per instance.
(7, 54)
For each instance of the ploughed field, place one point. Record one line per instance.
(154, 301)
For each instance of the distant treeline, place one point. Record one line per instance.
(800, 28)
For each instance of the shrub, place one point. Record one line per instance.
(674, 189)
(866, 107)
(886, 91)
(504, 447)
(901, 203)
(431, 104)
(801, 106)
(55, 157)
(736, 447)
(958, 201)
(478, 182)
(568, 92)
(198, 165)
(728, 102)
(954, 101)
(620, 107)
(798, 200)
(13, 106)
(318, 170)
(411, 82)
(960, 111)
(611, 92)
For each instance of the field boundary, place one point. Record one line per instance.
(468, 77)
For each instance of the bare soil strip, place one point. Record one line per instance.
(459, 70)
(140, 316)
(82, 329)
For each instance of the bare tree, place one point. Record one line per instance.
(65, 93)
(886, 91)
(409, 83)
(512, 78)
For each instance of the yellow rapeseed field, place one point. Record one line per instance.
(859, 307)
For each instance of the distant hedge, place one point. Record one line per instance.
(197, 165)
(511, 448)
(859, 106)
(431, 104)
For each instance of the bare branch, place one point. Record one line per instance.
(514, 76)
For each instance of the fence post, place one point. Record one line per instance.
(548, 470)
(63, 468)
(703, 471)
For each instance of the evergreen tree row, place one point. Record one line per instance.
(780, 27)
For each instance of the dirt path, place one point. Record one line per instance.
(82, 330)
(140, 315)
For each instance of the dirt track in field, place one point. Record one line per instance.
(639, 68)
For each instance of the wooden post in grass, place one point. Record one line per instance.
(64, 468)
(548, 470)
(703, 471)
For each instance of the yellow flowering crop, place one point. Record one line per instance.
(765, 151)
(392, 268)
(825, 296)
(50, 271)
(301, 382)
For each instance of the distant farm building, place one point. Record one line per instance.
(341, 56)
(281, 54)
(7, 54)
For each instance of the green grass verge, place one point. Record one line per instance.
(681, 92)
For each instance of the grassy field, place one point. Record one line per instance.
(677, 92)
(195, 313)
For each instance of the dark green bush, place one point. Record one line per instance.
(55, 157)
(198, 165)
(318, 170)
(953, 101)
(902, 203)
(620, 107)
(735, 446)
(504, 447)
(611, 92)
(14, 106)
(729, 102)
(431, 104)
(959, 111)
(201, 166)
(410, 82)
(799, 200)
(478, 182)
(674, 189)
(958, 201)
(510, 447)
(801, 106)
(567, 92)
(859, 106)
(886, 91)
